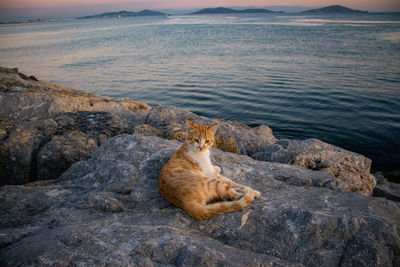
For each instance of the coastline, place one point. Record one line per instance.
(79, 186)
(35, 21)
(47, 101)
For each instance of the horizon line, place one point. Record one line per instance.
(76, 11)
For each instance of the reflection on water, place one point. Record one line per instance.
(391, 36)
(334, 78)
(351, 21)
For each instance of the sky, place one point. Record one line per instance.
(94, 6)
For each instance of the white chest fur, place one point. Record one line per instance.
(202, 158)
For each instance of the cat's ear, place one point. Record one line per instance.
(191, 124)
(213, 128)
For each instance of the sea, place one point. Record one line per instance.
(333, 77)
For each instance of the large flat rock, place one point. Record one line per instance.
(22, 98)
(107, 210)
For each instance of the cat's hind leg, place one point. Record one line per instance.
(241, 188)
(225, 191)
(201, 211)
(234, 193)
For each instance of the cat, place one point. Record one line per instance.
(190, 182)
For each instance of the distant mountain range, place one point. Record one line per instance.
(328, 9)
(121, 14)
(333, 9)
(223, 10)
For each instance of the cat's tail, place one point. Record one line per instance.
(202, 212)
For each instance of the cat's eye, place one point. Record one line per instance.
(208, 141)
(196, 140)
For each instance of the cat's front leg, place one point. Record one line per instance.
(217, 169)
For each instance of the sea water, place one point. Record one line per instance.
(331, 77)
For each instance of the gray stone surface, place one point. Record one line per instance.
(23, 98)
(44, 148)
(107, 211)
(19, 149)
(57, 155)
(388, 190)
(352, 170)
(106, 208)
(44, 127)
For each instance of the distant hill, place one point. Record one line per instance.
(257, 10)
(224, 10)
(123, 13)
(333, 9)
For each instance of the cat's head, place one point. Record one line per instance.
(200, 137)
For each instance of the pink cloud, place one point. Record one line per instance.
(388, 5)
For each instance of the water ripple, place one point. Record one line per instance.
(336, 80)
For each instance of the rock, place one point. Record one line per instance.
(15, 71)
(16, 155)
(388, 190)
(18, 151)
(351, 170)
(23, 98)
(44, 148)
(231, 136)
(3, 134)
(394, 176)
(5, 126)
(145, 129)
(380, 178)
(98, 125)
(57, 155)
(33, 113)
(42, 154)
(107, 210)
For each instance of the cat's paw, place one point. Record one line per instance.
(236, 193)
(254, 193)
(217, 169)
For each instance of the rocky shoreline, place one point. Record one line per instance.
(79, 185)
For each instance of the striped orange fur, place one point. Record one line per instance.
(190, 182)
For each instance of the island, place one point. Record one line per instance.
(124, 13)
(333, 9)
(39, 20)
(224, 10)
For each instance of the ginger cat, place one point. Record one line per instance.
(189, 180)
